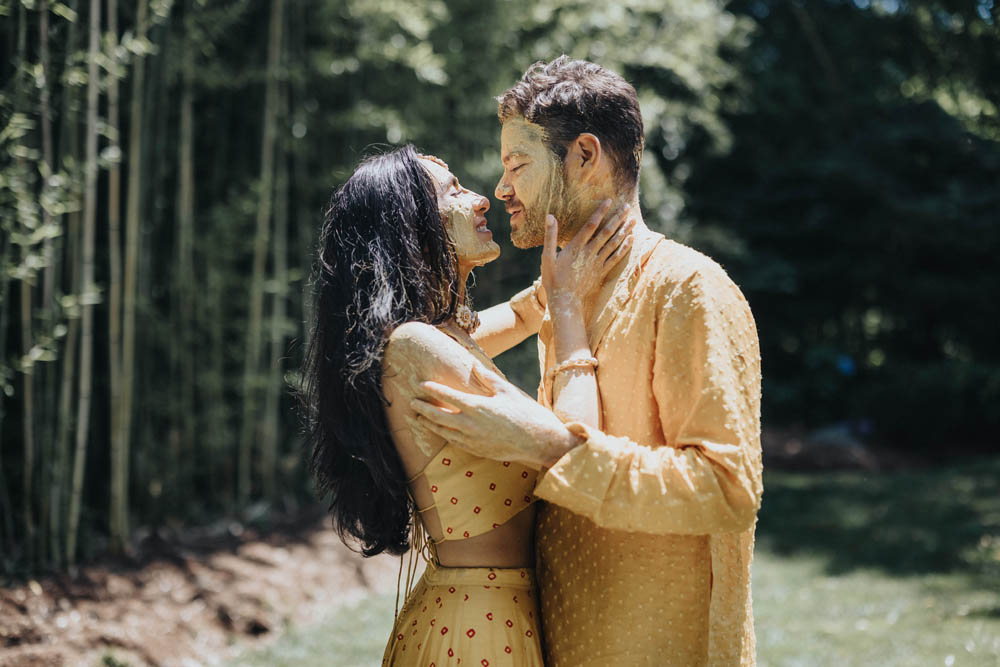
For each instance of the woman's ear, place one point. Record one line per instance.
(583, 156)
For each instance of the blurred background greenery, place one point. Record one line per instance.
(164, 166)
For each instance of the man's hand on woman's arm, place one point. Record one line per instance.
(506, 424)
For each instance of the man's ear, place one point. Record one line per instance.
(583, 156)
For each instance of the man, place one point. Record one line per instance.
(646, 537)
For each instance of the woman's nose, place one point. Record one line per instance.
(482, 204)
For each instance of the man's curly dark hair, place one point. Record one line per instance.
(569, 97)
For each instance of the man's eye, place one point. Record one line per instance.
(517, 168)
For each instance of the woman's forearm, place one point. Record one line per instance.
(500, 329)
(574, 389)
(507, 324)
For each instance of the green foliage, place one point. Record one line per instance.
(840, 158)
(866, 218)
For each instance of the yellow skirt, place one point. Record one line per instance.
(470, 616)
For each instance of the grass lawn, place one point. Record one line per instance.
(850, 569)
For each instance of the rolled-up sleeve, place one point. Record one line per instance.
(705, 475)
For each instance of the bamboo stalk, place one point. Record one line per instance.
(68, 143)
(251, 367)
(27, 405)
(86, 342)
(133, 200)
(117, 524)
(5, 504)
(46, 375)
(269, 446)
(185, 256)
(27, 399)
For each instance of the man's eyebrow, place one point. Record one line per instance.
(513, 154)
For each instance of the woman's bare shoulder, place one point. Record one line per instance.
(412, 345)
(425, 350)
(414, 337)
(416, 352)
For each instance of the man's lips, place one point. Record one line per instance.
(481, 225)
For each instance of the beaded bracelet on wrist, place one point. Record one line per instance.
(576, 362)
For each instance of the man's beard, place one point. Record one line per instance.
(553, 199)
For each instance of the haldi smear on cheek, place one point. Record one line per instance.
(544, 188)
(471, 248)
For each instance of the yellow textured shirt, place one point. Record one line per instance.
(646, 538)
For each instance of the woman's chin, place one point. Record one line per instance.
(486, 254)
(493, 252)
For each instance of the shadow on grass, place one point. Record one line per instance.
(941, 520)
(993, 612)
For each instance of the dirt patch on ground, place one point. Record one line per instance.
(187, 602)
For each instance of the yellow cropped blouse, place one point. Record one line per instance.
(473, 495)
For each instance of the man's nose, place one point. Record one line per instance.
(503, 190)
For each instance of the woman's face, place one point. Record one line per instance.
(464, 215)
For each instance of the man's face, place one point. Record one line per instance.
(533, 182)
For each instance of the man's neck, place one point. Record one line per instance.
(639, 231)
(583, 212)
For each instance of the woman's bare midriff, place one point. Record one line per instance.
(509, 545)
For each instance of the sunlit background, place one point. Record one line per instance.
(165, 167)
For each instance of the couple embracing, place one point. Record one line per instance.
(609, 522)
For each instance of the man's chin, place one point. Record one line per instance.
(525, 237)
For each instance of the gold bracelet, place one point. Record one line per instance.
(576, 362)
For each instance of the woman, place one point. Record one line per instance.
(396, 248)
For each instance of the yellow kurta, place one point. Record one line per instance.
(646, 538)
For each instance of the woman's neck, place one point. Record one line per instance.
(463, 280)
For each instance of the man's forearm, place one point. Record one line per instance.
(618, 483)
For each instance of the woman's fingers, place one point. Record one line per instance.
(551, 241)
(592, 225)
(615, 242)
(421, 424)
(420, 429)
(612, 226)
(550, 249)
(619, 252)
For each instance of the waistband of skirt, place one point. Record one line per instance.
(517, 577)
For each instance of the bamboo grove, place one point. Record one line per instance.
(164, 165)
(86, 165)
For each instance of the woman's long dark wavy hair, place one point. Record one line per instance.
(383, 258)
